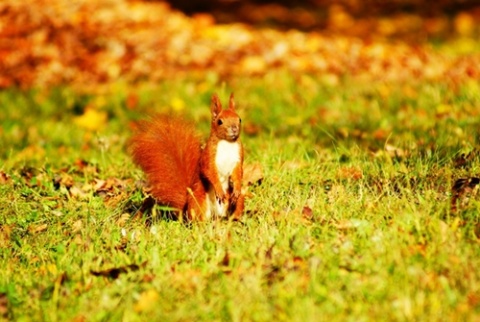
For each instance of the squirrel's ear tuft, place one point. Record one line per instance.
(216, 106)
(231, 103)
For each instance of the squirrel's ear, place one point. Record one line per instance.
(231, 103)
(216, 106)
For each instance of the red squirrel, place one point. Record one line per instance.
(221, 162)
(198, 183)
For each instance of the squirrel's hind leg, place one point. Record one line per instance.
(236, 210)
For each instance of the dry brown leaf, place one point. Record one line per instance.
(4, 178)
(464, 160)
(28, 172)
(5, 232)
(99, 185)
(252, 174)
(86, 168)
(307, 213)
(78, 192)
(350, 173)
(77, 226)
(109, 185)
(226, 260)
(4, 304)
(35, 229)
(395, 152)
(63, 180)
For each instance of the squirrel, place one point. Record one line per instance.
(199, 183)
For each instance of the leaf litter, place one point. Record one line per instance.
(95, 42)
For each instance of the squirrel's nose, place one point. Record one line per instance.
(234, 131)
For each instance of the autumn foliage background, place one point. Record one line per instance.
(88, 42)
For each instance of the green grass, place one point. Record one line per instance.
(375, 164)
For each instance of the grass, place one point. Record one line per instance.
(352, 221)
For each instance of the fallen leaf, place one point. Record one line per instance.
(92, 119)
(307, 213)
(28, 172)
(99, 185)
(343, 40)
(464, 160)
(4, 304)
(63, 180)
(123, 219)
(395, 152)
(350, 173)
(35, 229)
(79, 163)
(252, 174)
(473, 299)
(122, 246)
(86, 168)
(107, 186)
(147, 301)
(226, 259)
(77, 226)
(4, 178)
(78, 192)
(5, 233)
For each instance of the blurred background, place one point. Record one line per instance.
(314, 14)
(91, 42)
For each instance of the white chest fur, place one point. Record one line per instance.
(228, 156)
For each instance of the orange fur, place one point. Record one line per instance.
(168, 150)
(225, 126)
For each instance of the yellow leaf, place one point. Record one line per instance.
(253, 64)
(147, 301)
(92, 119)
(464, 24)
(178, 104)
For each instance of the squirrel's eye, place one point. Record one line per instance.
(219, 122)
(240, 120)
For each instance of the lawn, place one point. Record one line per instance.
(367, 208)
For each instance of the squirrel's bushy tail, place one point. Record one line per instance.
(168, 150)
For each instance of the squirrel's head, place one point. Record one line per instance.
(225, 122)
